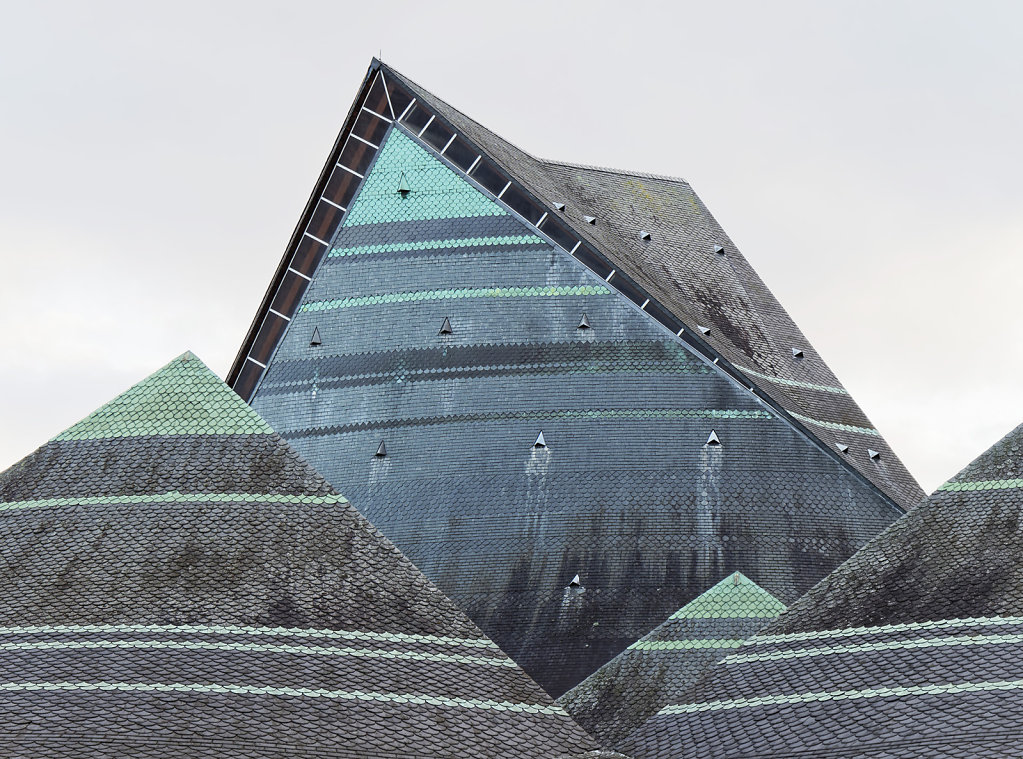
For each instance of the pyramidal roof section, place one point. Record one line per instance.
(659, 668)
(650, 235)
(679, 269)
(910, 648)
(227, 597)
(165, 403)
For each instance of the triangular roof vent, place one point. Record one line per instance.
(559, 206)
(719, 250)
(403, 188)
(315, 339)
(704, 330)
(590, 219)
(575, 582)
(381, 450)
(445, 328)
(797, 353)
(712, 439)
(873, 454)
(644, 235)
(842, 448)
(584, 322)
(540, 442)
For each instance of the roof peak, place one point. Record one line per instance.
(184, 397)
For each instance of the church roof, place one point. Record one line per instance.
(664, 248)
(912, 648)
(175, 580)
(660, 667)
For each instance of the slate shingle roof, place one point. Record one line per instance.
(175, 581)
(660, 667)
(447, 330)
(912, 648)
(679, 268)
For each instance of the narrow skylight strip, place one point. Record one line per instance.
(911, 643)
(252, 690)
(464, 242)
(466, 292)
(938, 689)
(836, 425)
(792, 383)
(178, 645)
(685, 645)
(240, 630)
(848, 632)
(173, 497)
(983, 485)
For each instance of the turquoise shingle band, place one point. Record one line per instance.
(461, 242)
(451, 294)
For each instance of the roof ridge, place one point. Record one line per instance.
(609, 170)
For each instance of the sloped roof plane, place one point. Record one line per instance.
(912, 648)
(659, 668)
(176, 581)
(675, 276)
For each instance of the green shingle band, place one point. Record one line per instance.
(898, 645)
(849, 632)
(251, 690)
(942, 689)
(836, 425)
(182, 398)
(173, 497)
(174, 645)
(793, 383)
(982, 485)
(464, 292)
(434, 190)
(462, 242)
(228, 630)
(684, 645)
(735, 597)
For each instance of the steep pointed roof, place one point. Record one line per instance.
(598, 214)
(677, 269)
(660, 667)
(175, 579)
(912, 648)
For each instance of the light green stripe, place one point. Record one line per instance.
(465, 292)
(849, 632)
(793, 383)
(250, 690)
(462, 242)
(684, 645)
(173, 497)
(257, 648)
(983, 485)
(798, 698)
(251, 631)
(961, 640)
(836, 425)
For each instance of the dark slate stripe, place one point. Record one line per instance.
(430, 229)
(158, 464)
(479, 360)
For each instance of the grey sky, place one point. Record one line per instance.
(865, 157)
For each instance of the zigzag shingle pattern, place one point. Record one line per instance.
(912, 648)
(175, 581)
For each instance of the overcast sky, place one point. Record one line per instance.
(865, 157)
